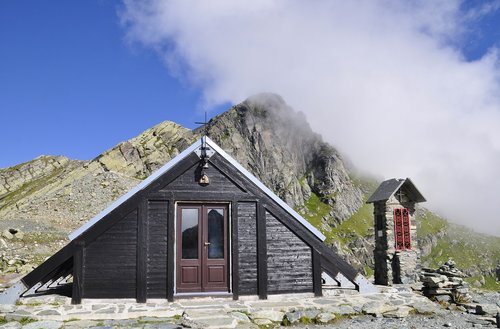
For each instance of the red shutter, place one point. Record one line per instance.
(406, 229)
(402, 232)
(398, 228)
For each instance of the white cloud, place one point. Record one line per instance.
(383, 80)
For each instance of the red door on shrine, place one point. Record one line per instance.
(202, 248)
(402, 229)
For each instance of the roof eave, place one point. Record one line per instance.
(266, 190)
(145, 183)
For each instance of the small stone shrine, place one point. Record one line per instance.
(396, 253)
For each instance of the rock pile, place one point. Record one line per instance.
(446, 284)
(14, 265)
(12, 233)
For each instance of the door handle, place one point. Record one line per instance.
(207, 243)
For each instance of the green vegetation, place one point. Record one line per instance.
(33, 304)
(359, 224)
(316, 210)
(3, 320)
(429, 223)
(25, 321)
(368, 271)
(467, 248)
(366, 184)
(42, 237)
(155, 320)
(463, 256)
(31, 187)
(473, 252)
(490, 282)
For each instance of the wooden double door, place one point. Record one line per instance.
(202, 248)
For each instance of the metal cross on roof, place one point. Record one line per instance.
(205, 124)
(400, 194)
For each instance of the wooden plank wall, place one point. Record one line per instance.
(219, 183)
(247, 247)
(156, 269)
(289, 259)
(109, 266)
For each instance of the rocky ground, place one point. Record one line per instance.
(341, 309)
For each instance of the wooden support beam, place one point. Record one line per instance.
(261, 252)
(77, 289)
(170, 250)
(142, 222)
(234, 250)
(316, 267)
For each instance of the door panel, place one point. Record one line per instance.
(215, 260)
(189, 249)
(190, 232)
(202, 249)
(190, 275)
(215, 233)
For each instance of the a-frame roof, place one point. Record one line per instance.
(169, 165)
(389, 187)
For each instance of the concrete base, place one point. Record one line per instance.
(365, 286)
(12, 294)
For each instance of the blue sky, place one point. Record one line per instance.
(401, 88)
(71, 85)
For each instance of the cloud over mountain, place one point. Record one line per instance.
(385, 81)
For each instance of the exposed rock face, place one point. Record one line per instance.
(275, 143)
(17, 182)
(49, 197)
(278, 146)
(142, 155)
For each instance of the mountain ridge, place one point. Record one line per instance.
(48, 197)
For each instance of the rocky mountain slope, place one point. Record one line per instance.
(48, 197)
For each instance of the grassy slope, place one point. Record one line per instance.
(470, 250)
(473, 252)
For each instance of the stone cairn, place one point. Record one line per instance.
(446, 284)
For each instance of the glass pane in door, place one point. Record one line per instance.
(215, 233)
(189, 230)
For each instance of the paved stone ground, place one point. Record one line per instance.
(343, 309)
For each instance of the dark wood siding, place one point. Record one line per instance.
(109, 266)
(157, 249)
(247, 248)
(289, 259)
(219, 182)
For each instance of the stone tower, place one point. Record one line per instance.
(396, 253)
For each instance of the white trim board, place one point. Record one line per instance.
(145, 183)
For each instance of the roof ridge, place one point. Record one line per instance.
(166, 167)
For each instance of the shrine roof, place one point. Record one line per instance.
(389, 187)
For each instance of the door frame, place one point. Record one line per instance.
(229, 206)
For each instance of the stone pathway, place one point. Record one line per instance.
(54, 312)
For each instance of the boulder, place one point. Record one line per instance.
(401, 312)
(377, 308)
(274, 316)
(487, 309)
(6, 234)
(325, 317)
